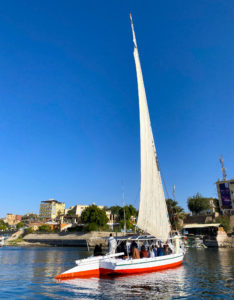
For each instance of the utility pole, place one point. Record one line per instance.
(223, 169)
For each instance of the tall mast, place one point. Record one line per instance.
(153, 215)
(125, 227)
(222, 168)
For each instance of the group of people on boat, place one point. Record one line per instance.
(134, 250)
(144, 251)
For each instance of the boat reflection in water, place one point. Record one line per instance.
(167, 282)
(29, 272)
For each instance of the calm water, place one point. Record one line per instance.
(27, 273)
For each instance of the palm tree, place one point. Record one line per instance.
(176, 213)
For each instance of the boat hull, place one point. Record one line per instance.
(89, 267)
(142, 265)
(111, 266)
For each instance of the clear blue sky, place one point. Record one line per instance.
(69, 123)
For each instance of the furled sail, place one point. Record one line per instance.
(153, 215)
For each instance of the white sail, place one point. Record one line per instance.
(153, 215)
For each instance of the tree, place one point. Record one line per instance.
(129, 224)
(71, 213)
(29, 230)
(175, 212)
(3, 225)
(129, 212)
(93, 214)
(115, 211)
(198, 203)
(20, 225)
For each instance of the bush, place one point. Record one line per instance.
(3, 225)
(76, 229)
(20, 225)
(224, 221)
(29, 230)
(92, 227)
(44, 228)
(16, 241)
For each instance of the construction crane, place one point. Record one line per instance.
(223, 169)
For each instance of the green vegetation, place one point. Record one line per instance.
(224, 221)
(118, 213)
(29, 230)
(92, 227)
(16, 241)
(198, 203)
(3, 225)
(44, 228)
(130, 211)
(20, 225)
(115, 211)
(94, 217)
(71, 213)
(176, 213)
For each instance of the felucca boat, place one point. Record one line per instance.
(153, 216)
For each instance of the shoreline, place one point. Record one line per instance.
(84, 240)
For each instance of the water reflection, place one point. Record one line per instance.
(148, 285)
(207, 271)
(28, 273)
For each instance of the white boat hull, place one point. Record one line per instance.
(102, 265)
(88, 267)
(131, 266)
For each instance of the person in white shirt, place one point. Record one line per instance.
(112, 244)
(151, 252)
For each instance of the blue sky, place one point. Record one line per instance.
(69, 123)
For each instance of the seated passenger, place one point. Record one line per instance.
(151, 252)
(160, 251)
(143, 253)
(135, 252)
(122, 248)
(133, 244)
(166, 248)
(97, 250)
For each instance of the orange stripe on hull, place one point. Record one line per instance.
(138, 270)
(102, 271)
(89, 273)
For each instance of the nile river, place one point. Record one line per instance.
(27, 273)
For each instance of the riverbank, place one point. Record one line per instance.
(88, 240)
(19, 242)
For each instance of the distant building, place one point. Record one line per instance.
(74, 212)
(214, 208)
(35, 225)
(112, 219)
(225, 190)
(29, 218)
(51, 209)
(12, 219)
